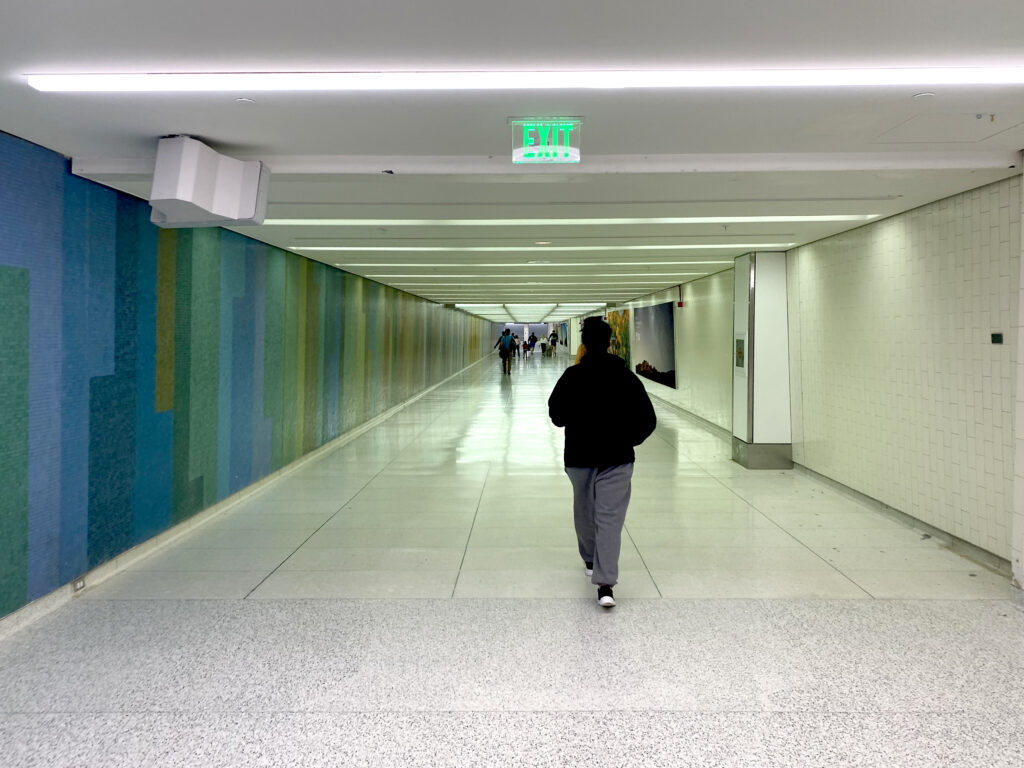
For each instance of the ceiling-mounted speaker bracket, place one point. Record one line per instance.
(194, 186)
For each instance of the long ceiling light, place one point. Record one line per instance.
(535, 293)
(249, 82)
(562, 306)
(591, 222)
(534, 265)
(544, 275)
(542, 283)
(532, 248)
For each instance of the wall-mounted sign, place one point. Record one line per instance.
(545, 140)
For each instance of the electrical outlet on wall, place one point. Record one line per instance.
(78, 584)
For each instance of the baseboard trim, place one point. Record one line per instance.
(973, 552)
(762, 455)
(699, 421)
(962, 547)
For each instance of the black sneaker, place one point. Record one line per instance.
(588, 567)
(605, 598)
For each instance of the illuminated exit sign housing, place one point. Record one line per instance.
(545, 140)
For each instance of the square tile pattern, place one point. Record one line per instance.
(897, 388)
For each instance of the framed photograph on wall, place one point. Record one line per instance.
(655, 343)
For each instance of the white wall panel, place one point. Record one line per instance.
(897, 390)
(741, 426)
(770, 350)
(703, 348)
(703, 356)
(1018, 496)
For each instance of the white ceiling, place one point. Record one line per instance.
(646, 154)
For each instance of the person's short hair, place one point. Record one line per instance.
(596, 335)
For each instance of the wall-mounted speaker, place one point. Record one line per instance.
(194, 186)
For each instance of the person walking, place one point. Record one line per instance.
(606, 413)
(504, 345)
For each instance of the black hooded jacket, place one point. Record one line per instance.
(605, 411)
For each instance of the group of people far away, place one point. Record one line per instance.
(509, 346)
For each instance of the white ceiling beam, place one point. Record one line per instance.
(305, 165)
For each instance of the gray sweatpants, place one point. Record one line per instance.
(599, 509)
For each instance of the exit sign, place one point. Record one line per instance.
(545, 140)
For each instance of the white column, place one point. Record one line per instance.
(1017, 522)
(762, 433)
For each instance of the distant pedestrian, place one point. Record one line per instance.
(504, 345)
(606, 413)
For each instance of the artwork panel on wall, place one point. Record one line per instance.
(619, 321)
(148, 374)
(153, 476)
(655, 348)
(14, 430)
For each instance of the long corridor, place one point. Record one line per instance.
(414, 597)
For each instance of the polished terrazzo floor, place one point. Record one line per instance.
(414, 597)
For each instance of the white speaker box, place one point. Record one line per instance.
(194, 186)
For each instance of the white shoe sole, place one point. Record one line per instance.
(606, 602)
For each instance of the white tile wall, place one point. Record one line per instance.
(897, 389)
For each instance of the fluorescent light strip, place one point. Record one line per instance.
(606, 221)
(603, 295)
(251, 82)
(554, 309)
(410, 286)
(494, 292)
(568, 306)
(527, 264)
(534, 248)
(483, 294)
(583, 275)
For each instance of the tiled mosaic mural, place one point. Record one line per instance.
(147, 374)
